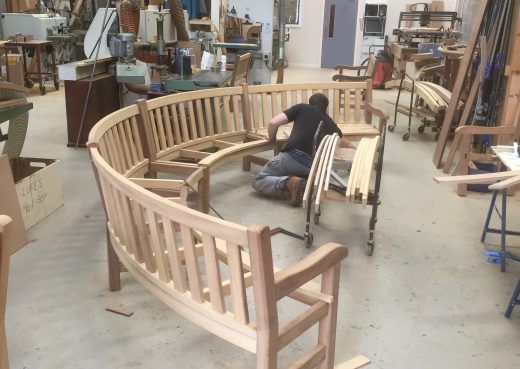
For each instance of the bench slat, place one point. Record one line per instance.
(143, 245)
(238, 288)
(178, 277)
(213, 274)
(209, 117)
(200, 118)
(192, 265)
(192, 121)
(164, 273)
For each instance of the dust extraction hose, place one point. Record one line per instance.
(177, 14)
(129, 17)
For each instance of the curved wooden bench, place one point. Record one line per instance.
(202, 267)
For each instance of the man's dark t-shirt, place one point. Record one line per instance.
(306, 119)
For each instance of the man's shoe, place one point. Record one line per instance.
(296, 187)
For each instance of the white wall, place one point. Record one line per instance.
(304, 46)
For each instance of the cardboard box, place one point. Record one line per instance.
(39, 187)
(15, 65)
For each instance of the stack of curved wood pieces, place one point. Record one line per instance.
(359, 179)
(435, 97)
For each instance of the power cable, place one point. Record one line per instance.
(97, 46)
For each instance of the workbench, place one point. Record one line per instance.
(512, 162)
(200, 81)
(36, 46)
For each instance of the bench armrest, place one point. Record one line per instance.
(349, 67)
(480, 130)
(383, 117)
(321, 260)
(344, 78)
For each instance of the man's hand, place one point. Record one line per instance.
(343, 142)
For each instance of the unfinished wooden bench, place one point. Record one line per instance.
(218, 274)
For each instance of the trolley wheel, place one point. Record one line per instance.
(307, 239)
(405, 136)
(391, 128)
(42, 90)
(370, 247)
(437, 136)
(421, 129)
(29, 83)
(317, 218)
(57, 85)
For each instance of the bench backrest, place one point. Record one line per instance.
(5, 254)
(120, 137)
(345, 100)
(178, 119)
(164, 243)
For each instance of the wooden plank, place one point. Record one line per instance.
(354, 363)
(238, 288)
(477, 178)
(312, 173)
(301, 324)
(119, 310)
(463, 69)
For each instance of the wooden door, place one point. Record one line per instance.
(339, 32)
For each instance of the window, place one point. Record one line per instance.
(375, 20)
(292, 11)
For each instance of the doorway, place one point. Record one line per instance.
(339, 32)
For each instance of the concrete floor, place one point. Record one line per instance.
(426, 299)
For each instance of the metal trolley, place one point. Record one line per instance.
(324, 183)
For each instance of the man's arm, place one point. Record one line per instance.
(343, 142)
(276, 122)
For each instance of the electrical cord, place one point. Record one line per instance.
(97, 46)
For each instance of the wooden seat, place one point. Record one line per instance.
(5, 254)
(240, 69)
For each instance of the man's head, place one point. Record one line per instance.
(320, 101)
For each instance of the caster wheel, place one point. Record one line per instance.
(42, 90)
(370, 248)
(29, 83)
(421, 129)
(391, 128)
(307, 239)
(405, 136)
(57, 85)
(317, 218)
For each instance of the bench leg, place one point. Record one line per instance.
(327, 326)
(114, 267)
(204, 192)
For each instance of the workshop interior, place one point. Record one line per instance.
(131, 236)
